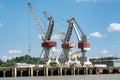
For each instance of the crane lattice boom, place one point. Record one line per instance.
(47, 43)
(37, 21)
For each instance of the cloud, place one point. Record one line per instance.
(55, 36)
(82, 1)
(114, 27)
(96, 34)
(5, 58)
(8, 57)
(104, 52)
(1, 24)
(14, 51)
(55, 50)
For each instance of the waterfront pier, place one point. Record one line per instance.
(55, 71)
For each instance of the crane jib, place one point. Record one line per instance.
(37, 20)
(50, 30)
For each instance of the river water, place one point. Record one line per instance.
(76, 77)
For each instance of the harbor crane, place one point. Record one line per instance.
(46, 37)
(67, 57)
(83, 43)
(64, 57)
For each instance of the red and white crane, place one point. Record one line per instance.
(67, 45)
(46, 37)
(83, 43)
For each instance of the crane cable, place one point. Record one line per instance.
(57, 19)
(29, 33)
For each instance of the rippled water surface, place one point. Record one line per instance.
(78, 77)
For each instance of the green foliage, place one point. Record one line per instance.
(53, 64)
(22, 59)
(1, 62)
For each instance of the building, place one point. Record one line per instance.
(109, 63)
(18, 65)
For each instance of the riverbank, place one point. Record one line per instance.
(55, 71)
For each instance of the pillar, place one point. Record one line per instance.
(119, 69)
(14, 72)
(21, 72)
(86, 70)
(37, 73)
(90, 71)
(73, 71)
(65, 72)
(60, 71)
(97, 71)
(31, 71)
(78, 72)
(4, 72)
(51, 72)
(46, 71)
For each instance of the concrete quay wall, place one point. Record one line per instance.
(55, 71)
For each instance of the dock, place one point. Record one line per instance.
(55, 71)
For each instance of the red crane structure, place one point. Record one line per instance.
(67, 45)
(46, 37)
(83, 43)
(67, 57)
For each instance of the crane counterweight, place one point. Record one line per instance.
(68, 45)
(84, 46)
(49, 44)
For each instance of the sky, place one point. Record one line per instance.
(99, 20)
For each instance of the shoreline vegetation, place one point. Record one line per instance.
(32, 60)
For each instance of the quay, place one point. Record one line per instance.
(55, 71)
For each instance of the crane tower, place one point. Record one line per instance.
(67, 45)
(67, 57)
(46, 37)
(83, 43)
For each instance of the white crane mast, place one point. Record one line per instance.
(37, 21)
(83, 38)
(64, 57)
(83, 43)
(47, 43)
(50, 27)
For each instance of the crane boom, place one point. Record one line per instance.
(47, 44)
(69, 31)
(37, 21)
(83, 38)
(76, 32)
(83, 43)
(64, 57)
(50, 27)
(61, 36)
(78, 26)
